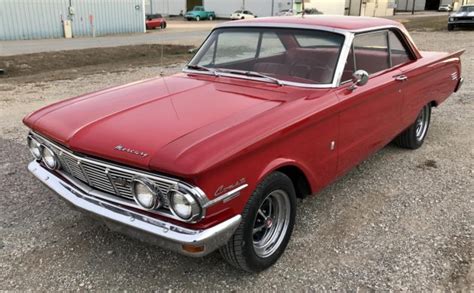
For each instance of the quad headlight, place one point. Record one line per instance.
(35, 148)
(145, 194)
(49, 158)
(184, 205)
(451, 19)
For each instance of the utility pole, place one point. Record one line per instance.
(243, 4)
(151, 6)
(273, 7)
(413, 7)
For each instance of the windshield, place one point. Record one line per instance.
(291, 55)
(466, 9)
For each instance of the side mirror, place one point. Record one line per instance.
(359, 78)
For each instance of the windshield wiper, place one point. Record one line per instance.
(201, 68)
(252, 73)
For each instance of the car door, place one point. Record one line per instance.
(369, 115)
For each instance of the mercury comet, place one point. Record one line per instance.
(267, 111)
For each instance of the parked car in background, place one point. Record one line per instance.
(285, 12)
(445, 7)
(242, 14)
(199, 13)
(310, 11)
(462, 18)
(155, 21)
(216, 156)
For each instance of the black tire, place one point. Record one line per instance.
(413, 137)
(163, 25)
(198, 18)
(211, 18)
(450, 27)
(240, 251)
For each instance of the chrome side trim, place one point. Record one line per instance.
(226, 196)
(162, 233)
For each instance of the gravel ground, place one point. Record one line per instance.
(400, 220)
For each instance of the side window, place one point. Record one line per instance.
(271, 45)
(371, 52)
(397, 50)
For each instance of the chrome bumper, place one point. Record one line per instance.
(459, 85)
(145, 228)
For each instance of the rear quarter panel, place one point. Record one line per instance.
(432, 78)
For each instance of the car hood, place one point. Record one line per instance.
(463, 14)
(132, 124)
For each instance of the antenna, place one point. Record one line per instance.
(162, 73)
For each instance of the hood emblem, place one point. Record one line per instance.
(130, 151)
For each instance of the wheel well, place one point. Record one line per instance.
(300, 182)
(433, 104)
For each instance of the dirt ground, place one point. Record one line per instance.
(402, 220)
(64, 65)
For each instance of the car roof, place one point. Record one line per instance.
(349, 23)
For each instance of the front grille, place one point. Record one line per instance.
(106, 177)
(464, 18)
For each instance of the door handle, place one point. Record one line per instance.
(401, 77)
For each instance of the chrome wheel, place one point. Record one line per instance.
(422, 122)
(271, 223)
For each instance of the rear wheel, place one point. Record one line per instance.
(266, 227)
(163, 25)
(198, 18)
(414, 136)
(211, 18)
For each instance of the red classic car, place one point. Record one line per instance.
(155, 21)
(267, 111)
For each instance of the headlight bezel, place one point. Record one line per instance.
(30, 140)
(154, 191)
(196, 207)
(52, 154)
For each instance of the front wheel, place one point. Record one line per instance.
(450, 27)
(211, 18)
(266, 227)
(163, 25)
(414, 136)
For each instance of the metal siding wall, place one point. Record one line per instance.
(31, 19)
(40, 19)
(166, 7)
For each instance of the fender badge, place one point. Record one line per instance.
(223, 189)
(130, 151)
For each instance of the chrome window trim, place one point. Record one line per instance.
(348, 34)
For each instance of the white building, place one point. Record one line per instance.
(375, 8)
(261, 8)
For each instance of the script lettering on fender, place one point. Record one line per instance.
(223, 189)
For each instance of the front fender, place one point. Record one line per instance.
(286, 162)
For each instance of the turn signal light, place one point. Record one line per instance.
(192, 248)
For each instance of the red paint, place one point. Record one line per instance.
(213, 132)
